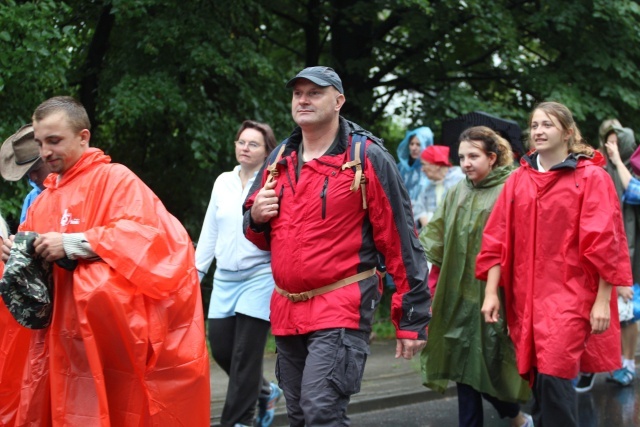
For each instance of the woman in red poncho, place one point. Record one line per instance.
(555, 242)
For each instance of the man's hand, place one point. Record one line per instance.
(6, 247)
(626, 292)
(266, 205)
(49, 246)
(408, 348)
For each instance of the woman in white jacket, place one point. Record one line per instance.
(242, 284)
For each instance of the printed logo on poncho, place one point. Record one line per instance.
(66, 219)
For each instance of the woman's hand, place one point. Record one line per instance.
(491, 308)
(600, 316)
(614, 153)
(601, 311)
(626, 292)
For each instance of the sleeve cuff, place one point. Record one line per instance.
(76, 246)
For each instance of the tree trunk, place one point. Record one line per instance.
(93, 64)
(352, 54)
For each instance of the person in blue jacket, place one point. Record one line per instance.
(409, 150)
(630, 183)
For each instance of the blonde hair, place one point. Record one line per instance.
(576, 143)
(490, 142)
(605, 127)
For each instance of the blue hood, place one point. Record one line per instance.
(414, 180)
(424, 134)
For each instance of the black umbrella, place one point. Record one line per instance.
(508, 129)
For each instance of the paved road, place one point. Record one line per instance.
(607, 405)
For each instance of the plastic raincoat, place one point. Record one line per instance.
(630, 213)
(14, 346)
(411, 169)
(126, 346)
(554, 234)
(591, 360)
(461, 346)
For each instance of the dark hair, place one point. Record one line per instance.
(490, 142)
(576, 144)
(75, 111)
(266, 131)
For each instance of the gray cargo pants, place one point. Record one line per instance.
(318, 373)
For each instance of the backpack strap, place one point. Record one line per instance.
(273, 171)
(357, 147)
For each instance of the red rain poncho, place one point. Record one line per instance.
(554, 235)
(126, 346)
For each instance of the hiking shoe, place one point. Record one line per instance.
(623, 376)
(585, 382)
(529, 420)
(267, 407)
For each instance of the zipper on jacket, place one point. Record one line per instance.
(290, 183)
(323, 196)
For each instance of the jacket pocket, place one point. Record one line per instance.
(348, 367)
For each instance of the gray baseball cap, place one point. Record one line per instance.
(322, 76)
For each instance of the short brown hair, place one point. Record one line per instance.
(266, 131)
(75, 111)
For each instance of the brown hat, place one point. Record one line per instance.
(18, 153)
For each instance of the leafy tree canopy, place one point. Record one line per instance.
(167, 82)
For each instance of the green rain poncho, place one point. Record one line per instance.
(462, 347)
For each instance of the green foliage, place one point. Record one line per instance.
(168, 82)
(270, 347)
(36, 50)
(382, 326)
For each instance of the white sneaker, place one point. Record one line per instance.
(528, 420)
(585, 382)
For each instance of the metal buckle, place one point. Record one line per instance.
(302, 296)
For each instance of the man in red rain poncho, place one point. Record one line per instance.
(126, 343)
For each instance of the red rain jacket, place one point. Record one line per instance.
(126, 346)
(554, 235)
(322, 234)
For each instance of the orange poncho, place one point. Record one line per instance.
(126, 346)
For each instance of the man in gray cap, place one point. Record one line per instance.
(19, 157)
(326, 202)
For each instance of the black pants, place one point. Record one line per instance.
(319, 372)
(470, 412)
(237, 345)
(555, 402)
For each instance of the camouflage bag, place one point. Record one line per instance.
(27, 284)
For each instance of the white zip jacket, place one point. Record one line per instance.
(222, 236)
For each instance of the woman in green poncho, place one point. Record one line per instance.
(478, 356)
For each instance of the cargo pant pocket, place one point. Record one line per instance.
(348, 367)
